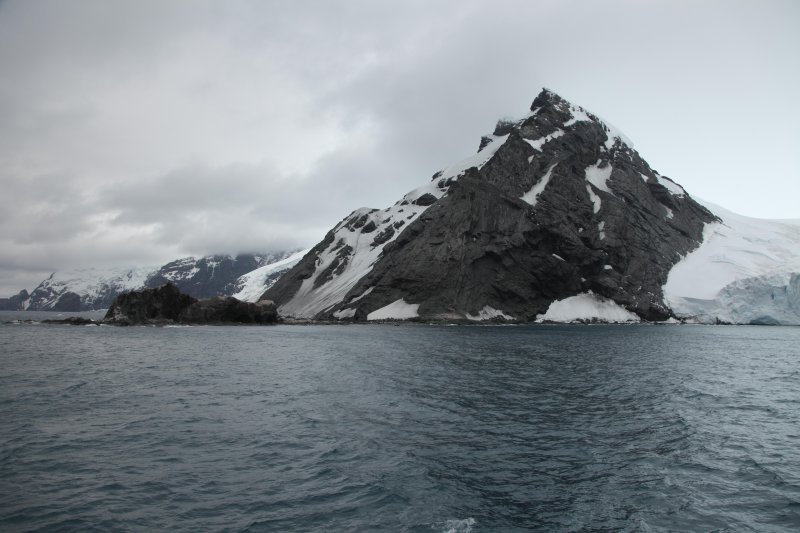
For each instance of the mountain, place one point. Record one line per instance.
(85, 289)
(204, 277)
(16, 302)
(557, 217)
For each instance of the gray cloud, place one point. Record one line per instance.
(133, 133)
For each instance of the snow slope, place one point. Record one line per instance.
(253, 284)
(90, 284)
(741, 273)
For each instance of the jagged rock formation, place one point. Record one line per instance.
(245, 276)
(166, 304)
(554, 205)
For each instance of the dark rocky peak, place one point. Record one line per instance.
(547, 98)
(554, 205)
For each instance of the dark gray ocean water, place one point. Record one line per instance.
(409, 428)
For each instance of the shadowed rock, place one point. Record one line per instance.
(162, 304)
(229, 310)
(166, 304)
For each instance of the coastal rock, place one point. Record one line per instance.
(229, 310)
(162, 304)
(72, 321)
(166, 304)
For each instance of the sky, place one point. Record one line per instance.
(136, 132)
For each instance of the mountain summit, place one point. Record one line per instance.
(555, 212)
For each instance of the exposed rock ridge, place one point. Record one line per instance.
(553, 205)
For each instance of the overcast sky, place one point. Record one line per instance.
(136, 132)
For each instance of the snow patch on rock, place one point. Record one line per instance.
(579, 114)
(344, 313)
(532, 196)
(397, 310)
(586, 307)
(538, 143)
(596, 202)
(598, 176)
(489, 313)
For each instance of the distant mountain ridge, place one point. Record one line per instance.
(556, 218)
(204, 277)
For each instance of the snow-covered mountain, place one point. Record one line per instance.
(85, 289)
(204, 277)
(556, 217)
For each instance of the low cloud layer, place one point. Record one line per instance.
(135, 133)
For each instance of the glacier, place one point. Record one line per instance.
(745, 271)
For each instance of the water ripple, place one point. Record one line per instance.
(416, 428)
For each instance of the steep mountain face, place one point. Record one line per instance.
(206, 277)
(554, 206)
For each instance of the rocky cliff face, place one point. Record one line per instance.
(554, 205)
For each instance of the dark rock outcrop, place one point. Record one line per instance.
(162, 304)
(166, 304)
(560, 204)
(229, 310)
(72, 321)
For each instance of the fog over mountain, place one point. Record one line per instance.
(136, 133)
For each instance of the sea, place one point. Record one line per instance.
(410, 427)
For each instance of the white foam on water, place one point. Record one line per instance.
(458, 526)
